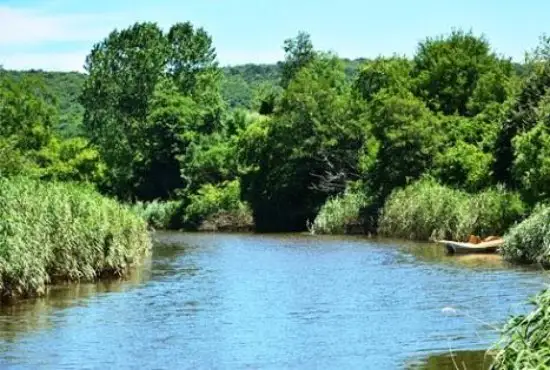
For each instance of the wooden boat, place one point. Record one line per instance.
(464, 248)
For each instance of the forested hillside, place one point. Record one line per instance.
(242, 86)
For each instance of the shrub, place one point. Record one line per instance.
(159, 215)
(525, 343)
(216, 207)
(530, 240)
(340, 213)
(427, 210)
(60, 231)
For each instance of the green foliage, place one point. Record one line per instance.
(27, 140)
(27, 112)
(340, 214)
(523, 112)
(427, 210)
(148, 90)
(383, 73)
(465, 166)
(312, 133)
(407, 134)
(65, 88)
(530, 240)
(299, 53)
(159, 215)
(458, 74)
(532, 162)
(524, 342)
(214, 203)
(54, 231)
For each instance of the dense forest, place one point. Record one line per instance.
(310, 141)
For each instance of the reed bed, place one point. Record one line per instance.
(63, 232)
(427, 210)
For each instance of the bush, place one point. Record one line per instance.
(340, 214)
(427, 210)
(159, 215)
(525, 343)
(60, 231)
(530, 240)
(216, 207)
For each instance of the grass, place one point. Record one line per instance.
(427, 210)
(529, 242)
(340, 214)
(58, 231)
(525, 341)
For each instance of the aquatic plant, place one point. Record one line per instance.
(340, 213)
(529, 241)
(525, 341)
(428, 210)
(60, 231)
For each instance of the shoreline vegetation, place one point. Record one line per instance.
(54, 232)
(452, 141)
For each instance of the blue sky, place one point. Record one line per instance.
(57, 34)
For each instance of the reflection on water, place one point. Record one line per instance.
(270, 302)
(470, 360)
(36, 313)
(436, 253)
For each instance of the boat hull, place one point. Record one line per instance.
(468, 248)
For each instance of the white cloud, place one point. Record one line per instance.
(30, 27)
(70, 61)
(34, 38)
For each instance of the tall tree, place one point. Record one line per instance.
(138, 79)
(523, 114)
(312, 133)
(299, 52)
(448, 70)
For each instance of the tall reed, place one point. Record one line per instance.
(340, 214)
(428, 210)
(59, 231)
(529, 242)
(525, 341)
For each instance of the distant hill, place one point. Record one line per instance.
(239, 88)
(66, 87)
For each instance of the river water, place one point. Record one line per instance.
(232, 301)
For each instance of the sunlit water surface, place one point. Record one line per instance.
(230, 301)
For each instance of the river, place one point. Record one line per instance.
(237, 301)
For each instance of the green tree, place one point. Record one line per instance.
(451, 71)
(299, 53)
(27, 112)
(147, 97)
(531, 166)
(407, 136)
(288, 156)
(522, 113)
(383, 73)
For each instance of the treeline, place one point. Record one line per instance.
(242, 86)
(157, 127)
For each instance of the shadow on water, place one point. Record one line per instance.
(462, 360)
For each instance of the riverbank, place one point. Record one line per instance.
(53, 232)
